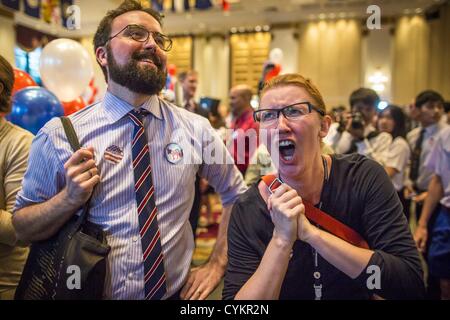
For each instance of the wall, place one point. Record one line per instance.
(422, 56)
(377, 54)
(7, 38)
(286, 40)
(212, 62)
(330, 55)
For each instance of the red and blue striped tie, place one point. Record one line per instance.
(154, 275)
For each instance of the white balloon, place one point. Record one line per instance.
(66, 68)
(276, 55)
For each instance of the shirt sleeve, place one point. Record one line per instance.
(243, 258)
(344, 143)
(219, 169)
(16, 164)
(376, 147)
(44, 177)
(397, 155)
(434, 160)
(387, 232)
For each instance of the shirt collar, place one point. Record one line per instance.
(431, 129)
(116, 108)
(2, 124)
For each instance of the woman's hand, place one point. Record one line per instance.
(285, 206)
(305, 230)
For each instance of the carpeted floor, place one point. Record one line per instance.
(206, 238)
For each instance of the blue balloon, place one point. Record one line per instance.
(33, 107)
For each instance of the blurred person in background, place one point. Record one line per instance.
(14, 149)
(427, 111)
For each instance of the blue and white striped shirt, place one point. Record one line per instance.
(113, 206)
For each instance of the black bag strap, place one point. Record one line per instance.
(75, 145)
(70, 133)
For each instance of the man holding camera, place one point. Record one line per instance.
(360, 135)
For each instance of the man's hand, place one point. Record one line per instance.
(420, 197)
(202, 281)
(421, 237)
(81, 176)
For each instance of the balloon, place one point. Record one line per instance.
(22, 80)
(66, 68)
(90, 93)
(33, 107)
(276, 55)
(273, 72)
(172, 69)
(73, 106)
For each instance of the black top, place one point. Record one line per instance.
(358, 193)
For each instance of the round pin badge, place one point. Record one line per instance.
(173, 153)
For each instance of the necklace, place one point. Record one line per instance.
(316, 274)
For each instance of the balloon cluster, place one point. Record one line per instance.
(66, 70)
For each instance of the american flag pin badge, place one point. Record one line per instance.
(173, 153)
(113, 154)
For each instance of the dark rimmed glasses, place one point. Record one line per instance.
(140, 34)
(268, 117)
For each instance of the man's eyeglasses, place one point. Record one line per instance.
(140, 34)
(268, 117)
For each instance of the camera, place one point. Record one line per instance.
(357, 120)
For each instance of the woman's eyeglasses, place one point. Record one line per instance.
(268, 117)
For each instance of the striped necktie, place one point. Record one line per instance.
(415, 158)
(154, 274)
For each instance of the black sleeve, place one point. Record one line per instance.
(243, 256)
(387, 233)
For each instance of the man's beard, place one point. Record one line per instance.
(140, 79)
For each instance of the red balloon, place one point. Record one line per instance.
(73, 106)
(273, 73)
(172, 69)
(22, 80)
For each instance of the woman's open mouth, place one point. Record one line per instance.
(287, 149)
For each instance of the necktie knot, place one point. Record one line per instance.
(137, 116)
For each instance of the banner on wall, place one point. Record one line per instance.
(12, 4)
(51, 11)
(187, 5)
(32, 8)
(203, 4)
(158, 5)
(64, 4)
